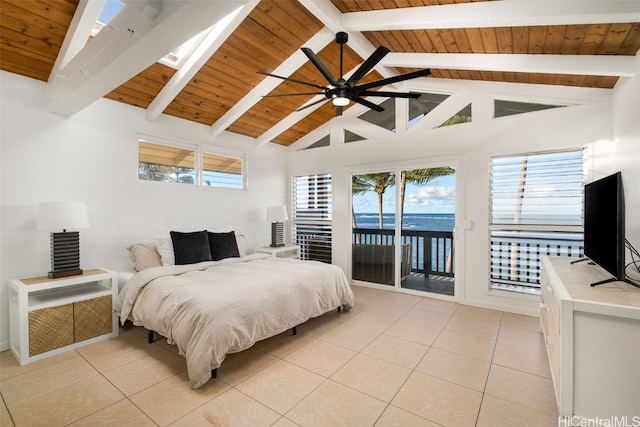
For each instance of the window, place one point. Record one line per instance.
(462, 116)
(352, 137)
(325, 141)
(536, 210)
(312, 216)
(109, 10)
(420, 107)
(386, 118)
(181, 53)
(222, 171)
(509, 108)
(164, 163)
(189, 165)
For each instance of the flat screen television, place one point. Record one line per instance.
(604, 239)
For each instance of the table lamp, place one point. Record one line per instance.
(65, 245)
(275, 215)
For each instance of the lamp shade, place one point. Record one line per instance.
(277, 214)
(62, 215)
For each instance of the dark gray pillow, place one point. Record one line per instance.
(190, 248)
(223, 245)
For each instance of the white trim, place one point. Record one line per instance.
(494, 14)
(83, 21)
(198, 150)
(458, 242)
(588, 65)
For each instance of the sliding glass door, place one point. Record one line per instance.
(415, 207)
(374, 224)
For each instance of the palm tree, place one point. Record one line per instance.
(419, 177)
(358, 186)
(379, 182)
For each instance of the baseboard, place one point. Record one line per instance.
(534, 312)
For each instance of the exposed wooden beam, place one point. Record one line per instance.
(326, 13)
(138, 36)
(211, 43)
(332, 18)
(494, 14)
(589, 65)
(83, 21)
(288, 67)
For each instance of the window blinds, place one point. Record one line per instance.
(312, 216)
(536, 210)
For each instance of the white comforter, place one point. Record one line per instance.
(214, 308)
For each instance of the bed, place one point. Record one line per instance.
(213, 308)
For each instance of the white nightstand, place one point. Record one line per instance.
(286, 251)
(50, 316)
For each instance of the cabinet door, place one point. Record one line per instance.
(93, 318)
(50, 328)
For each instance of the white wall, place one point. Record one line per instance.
(626, 133)
(470, 147)
(92, 157)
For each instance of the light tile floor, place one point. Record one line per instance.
(393, 360)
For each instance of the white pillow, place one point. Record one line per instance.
(165, 249)
(241, 241)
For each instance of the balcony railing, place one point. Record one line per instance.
(516, 256)
(432, 252)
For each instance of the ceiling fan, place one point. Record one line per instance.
(341, 91)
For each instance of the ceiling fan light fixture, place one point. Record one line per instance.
(340, 101)
(340, 91)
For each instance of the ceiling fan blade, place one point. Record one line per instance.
(366, 103)
(312, 104)
(389, 94)
(395, 79)
(292, 80)
(367, 65)
(292, 94)
(320, 66)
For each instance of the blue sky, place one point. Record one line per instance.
(437, 196)
(109, 10)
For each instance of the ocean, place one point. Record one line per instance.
(440, 251)
(411, 221)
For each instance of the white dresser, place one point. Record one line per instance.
(592, 336)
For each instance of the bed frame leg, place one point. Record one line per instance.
(294, 330)
(150, 337)
(214, 373)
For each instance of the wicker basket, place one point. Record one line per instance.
(50, 328)
(55, 327)
(92, 318)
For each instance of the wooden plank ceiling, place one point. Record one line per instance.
(32, 34)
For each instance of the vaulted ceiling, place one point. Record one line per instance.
(589, 44)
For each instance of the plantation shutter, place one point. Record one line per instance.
(536, 210)
(312, 216)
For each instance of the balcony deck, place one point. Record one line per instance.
(442, 285)
(428, 257)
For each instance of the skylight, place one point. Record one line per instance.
(178, 55)
(108, 12)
